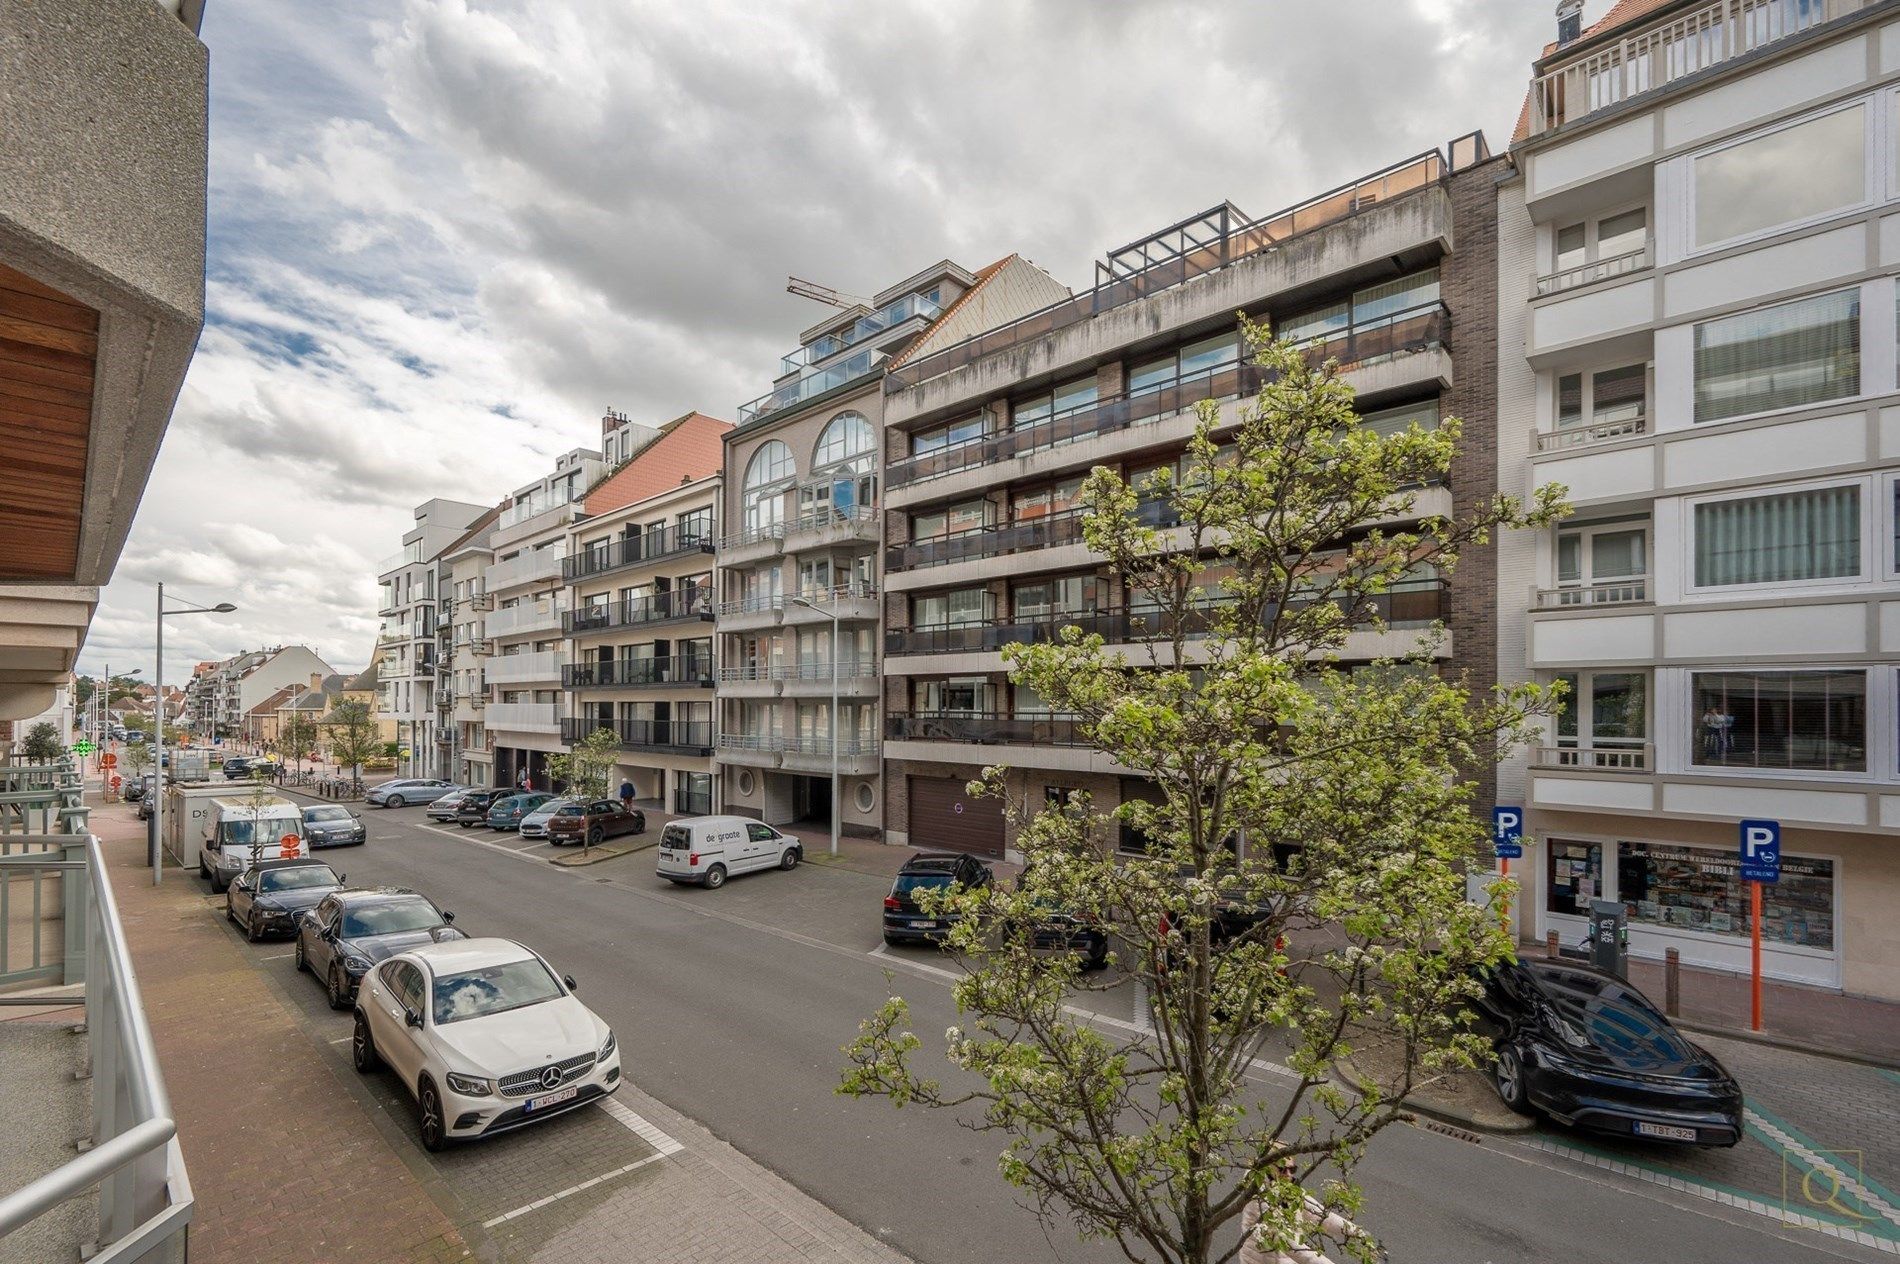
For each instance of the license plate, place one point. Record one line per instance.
(929, 925)
(551, 1099)
(1668, 1132)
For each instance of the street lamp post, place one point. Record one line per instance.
(837, 808)
(157, 844)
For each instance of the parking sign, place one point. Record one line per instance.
(1761, 851)
(1507, 832)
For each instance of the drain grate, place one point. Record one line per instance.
(1449, 1130)
(603, 879)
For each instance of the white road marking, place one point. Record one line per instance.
(641, 1128)
(463, 836)
(277, 956)
(1821, 1163)
(575, 1189)
(342, 1040)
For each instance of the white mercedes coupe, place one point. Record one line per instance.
(486, 1036)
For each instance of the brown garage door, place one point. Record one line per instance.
(943, 818)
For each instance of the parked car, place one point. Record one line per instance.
(348, 932)
(904, 922)
(239, 829)
(444, 808)
(709, 849)
(135, 788)
(485, 1035)
(535, 823)
(332, 825)
(405, 790)
(1589, 1050)
(267, 898)
(1055, 929)
(475, 804)
(236, 768)
(508, 813)
(593, 822)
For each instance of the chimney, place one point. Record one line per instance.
(1569, 21)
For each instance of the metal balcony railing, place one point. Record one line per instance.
(1616, 592)
(668, 737)
(984, 728)
(1417, 329)
(1590, 273)
(682, 671)
(1606, 757)
(1584, 436)
(666, 607)
(857, 669)
(635, 550)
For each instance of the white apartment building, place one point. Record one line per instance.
(219, 697)
(463, 692)
(1704, 230)
(406, 645)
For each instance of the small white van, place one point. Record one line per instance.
(709, 849)
(235, 827)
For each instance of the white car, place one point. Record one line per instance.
(535, 823)
(485, 1035)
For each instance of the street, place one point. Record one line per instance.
(731, 1007)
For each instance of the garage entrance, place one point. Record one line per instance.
(942, 817)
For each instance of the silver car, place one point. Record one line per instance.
(404, 790)
(535, 823)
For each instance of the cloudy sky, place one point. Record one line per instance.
(446, 234)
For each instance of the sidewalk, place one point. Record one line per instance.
(1808, 1018)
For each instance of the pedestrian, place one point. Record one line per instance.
(626, 794)
(527, 782)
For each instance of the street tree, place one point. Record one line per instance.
(297, 737)
(352, 733)
(1355, 948)
(42, 744)
(587, 770)
(137, 758)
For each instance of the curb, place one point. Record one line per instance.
(594, 855)
(1745, 1036)
(1509, 1123)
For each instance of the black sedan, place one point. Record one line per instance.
(328, 825)
(1589, 1050)
(345, 935)
(473, 809)
(904, 921)
(266, 899)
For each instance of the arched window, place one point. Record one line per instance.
(766, 475)
(847, 437)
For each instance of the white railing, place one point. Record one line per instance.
(540, 616)
(1617, 592)
(820, 746)
(1633, 758)
(1590, 273)
(514, 668)
(1583, 436)
(859, 669)
(522, 717)
(752, 535)
(1672, 50)
(822, 518)
(524, 569)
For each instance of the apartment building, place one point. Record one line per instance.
(526, 640)
(1698, 339)
(222, 696)
(406, 646)
(462, 693)
(639, 572)
(798, 550)
(987, 442)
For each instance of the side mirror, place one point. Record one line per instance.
(328, 935)
(413, 1018)
(341, 878)
(448, 918)
(571, 985)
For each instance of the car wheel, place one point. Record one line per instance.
(333, 988)
(217, 887)
(429, 1117)
(594, 837)
(230, 914)
(789, 861)
(1098, 957)
(303, 966)
(363, 1046)
(1508, 1075)
(715, 878)
(253, 928)
(892, 941)
(395, 801)
(464, 824)
(204, 870)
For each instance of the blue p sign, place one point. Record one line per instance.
(1507, 832)
(1761, 851)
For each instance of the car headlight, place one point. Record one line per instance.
(606, 1050)
(469, 1085)
(357, 965)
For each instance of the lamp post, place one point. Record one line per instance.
(837, 808)
(157, 845)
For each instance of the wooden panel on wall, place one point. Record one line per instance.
(48, 346)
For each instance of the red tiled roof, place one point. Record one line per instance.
(689, 448)
(1622, 13)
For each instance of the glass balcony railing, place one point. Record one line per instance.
(672, 737)
(679, 671)
(810, 386)
(887, 317)
(984, 728)
(633, 550)
(681, 603)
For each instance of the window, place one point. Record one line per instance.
(1075, 594)
(962, 607)
(1796, 720)
(846, 437)
(693, 527)
(950, 520)
(1603, 562)
(1793, 353)
(1614, 236)
(965, 695)
(1046, 501)
(1068, 398)
(1575, 877)
(1607, 397)
(1783, 538)
(1195, 360)
(954, 434)
(1784, 177)
(1694, 889)
(1380, 307)
(766, 475)
(1604, 709)
(1391, 421)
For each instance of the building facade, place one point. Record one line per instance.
(1707, 361)
(406, 646)
(798, 550)
(639, 571)
(462, 694)
(987, 442)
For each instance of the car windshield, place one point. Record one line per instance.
(1613, 1018)
(296, 879)
(240, 833)
(390, 919)
(326, 814)
(571, 809)
(912, 881)
(493, 989)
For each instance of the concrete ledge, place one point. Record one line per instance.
(605, 851)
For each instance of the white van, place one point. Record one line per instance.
(710, 849)
(235, 826)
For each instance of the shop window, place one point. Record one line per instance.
(1689, 888)
(1790, 720)
(1574, 877)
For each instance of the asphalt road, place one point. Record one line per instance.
(731, 1007)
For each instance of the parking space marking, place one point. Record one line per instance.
(277, 956)
(342, 1040)
(539, 1203)
(641, 1128)
(464, 836)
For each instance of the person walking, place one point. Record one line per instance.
(527, 782)
(626, 794)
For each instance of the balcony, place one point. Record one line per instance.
(1414, 606)
(662, 737)
(1584, 436)
(850, 602)
(668, 607)
(634, 550)
(523, 717)
(514, 669)
(1690, 43)
(409, 556)
(857, 678)
(811, 386)
(881, 322)
(1401, 333)
(481, 602)
(1618, 592)
(856, 756)
(690, 671)
(830, 527)
(984, 728)
(526, 568)
(525, 618)
(1632, 757)
(1590, 273)
(997, 540)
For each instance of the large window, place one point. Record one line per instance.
(1806, 720)
(1391, 306)
(934, 524)
(1783, 538)
(962, 607)
(1607, 397)
(766, 477)
(1604, 710)
(1602, 562)
(1391, 421)
(845, 437)
(1794, 353)
(1195, 360)
(1690, 888)
(1784, 177)
(1074, 594)
(950, 435)
(1068, 398)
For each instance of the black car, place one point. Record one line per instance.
(267, 898)
(473, 809)
(346, 934)
(1589, 1050)
(237, 768)
(331, 825)
(904, 922)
